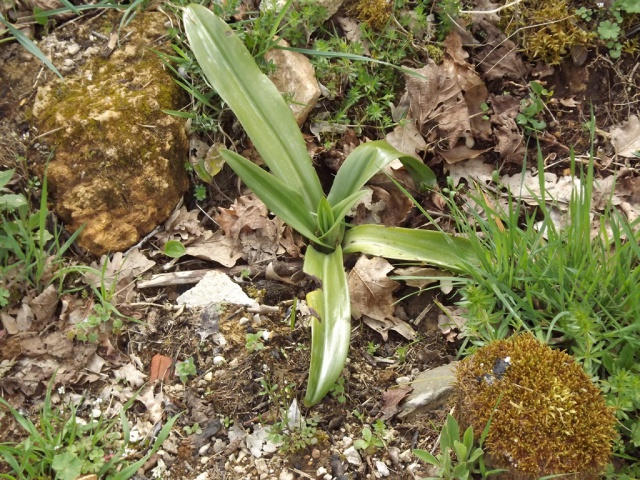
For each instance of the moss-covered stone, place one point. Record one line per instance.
(118, 164)
(547, 417)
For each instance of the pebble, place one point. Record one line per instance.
(219, 445)
(204, 460)
(239, 469)
(405, 456)
(243, 321)
(315, 453)
(347, 441)
(261, 466)
(286, 475)
(403, 380)
(382, 468)
(394, 455)
(352, 456)
(204, 449)
(73, 48)
(208, 376)
(203, 476)
(321, 472)
(218, 360)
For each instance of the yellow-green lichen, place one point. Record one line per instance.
(375, 13)
(545, 30)
(547, 417)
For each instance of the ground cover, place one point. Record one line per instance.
(533, 140)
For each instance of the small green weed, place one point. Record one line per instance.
(290, 431)
(186, 369)
(62, 446)
(194, 429)
(372, 440)
(532, 107)
(254, 341)
(337, 391)
(459, 457)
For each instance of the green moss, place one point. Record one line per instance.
(546, 415)
(375, 13)
(556, 30)
(436, 53)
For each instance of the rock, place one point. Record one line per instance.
(295, 79)
(215, 287)
(352, 456)
(286, 475)
(118, 164)
(261, 466)
(431, 389)
(382, 468)
(332, 6)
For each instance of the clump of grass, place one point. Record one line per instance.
(574, 288)
(63, 446)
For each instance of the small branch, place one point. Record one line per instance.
(495, 10)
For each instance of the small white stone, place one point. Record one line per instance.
(208, 376)
(347, 441)
(286, 475)
(204, 449)
(73, 48)
(239, 469)
(243, 321)
(261, 466)
(203, 476)
(403, 380)
(204, 460)
(218, 360)
(352, 456)
(321, 471)
(219, 445)
(382, 468)
(405, 456)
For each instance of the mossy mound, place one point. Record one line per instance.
(547, 417)
(556, 32)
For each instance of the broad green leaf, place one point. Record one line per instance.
(364, 162)
(254, 99)
(67, 466)
(426, 457)
(5, 177)
(330, 333)
(433, 247)
(174, 249)
(279, 197)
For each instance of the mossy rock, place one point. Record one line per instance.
(547, 417)
(119, 160)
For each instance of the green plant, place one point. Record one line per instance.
(290, 430)
(27, 249)
(62, 446)
(293, 192)
(372, 348)
(459, 457)
(186, 369)
(573, 288)
(373, 440)
(547, 417)
(194, 429)
(253, 341)
(532, 107)
(174, 249)
(337, 390)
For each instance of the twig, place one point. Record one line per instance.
(495, 10)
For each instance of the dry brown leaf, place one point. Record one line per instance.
(44, 305)
(214, 247)
(372, 296)
(130, 374)
(371, 289)
(407, 139)
(24, 317)
(472, 170)
(626, 138)
(391, 398)
(498, 57)
(460, 153)
(382, 207)
(351, 31)
(181, 224)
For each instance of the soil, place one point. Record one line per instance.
(228, 396)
